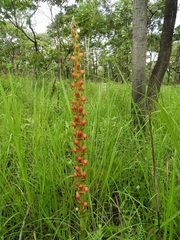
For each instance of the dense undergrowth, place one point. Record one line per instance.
(36, 165)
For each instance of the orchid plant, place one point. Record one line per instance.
(78, 124)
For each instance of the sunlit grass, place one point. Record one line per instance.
(36, 166)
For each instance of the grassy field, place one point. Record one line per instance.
(36, 164)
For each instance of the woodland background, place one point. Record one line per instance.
(106, 36)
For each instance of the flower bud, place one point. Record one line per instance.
(80, 82)
(77, 93)
(79, 159)
(73, 84)
(73, 101)
(83, 99)
(77, 168)
(86, 189)
(83, 113)
(81, 54)
(85, 162)
(78, 195)
(83, 148)
(74, 124)
(76, 117)
(74, 150)
(76, 46)
(73, 58)
(78, 65)
(82, 71)
(79, 133)
(82, 88)
(80, 108)
(85, 136)
(73, 108)
(76, 142)
(74, 74)
(83, 122)
(80, 186)
(85, 205)
(83, 174)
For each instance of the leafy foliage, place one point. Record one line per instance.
(106, 36)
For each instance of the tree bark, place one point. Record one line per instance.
(139, 61)
(161, 65)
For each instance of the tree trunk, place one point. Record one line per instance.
(161, 65)
(87, 46)
(139, 60)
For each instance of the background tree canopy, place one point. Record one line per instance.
(106, 35)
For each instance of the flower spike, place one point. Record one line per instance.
(78, 124)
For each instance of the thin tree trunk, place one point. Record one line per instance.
(139, 61)
(161, 65)
(87, 46)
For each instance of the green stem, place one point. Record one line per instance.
(83, 227)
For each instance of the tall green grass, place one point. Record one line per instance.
(36, 163)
